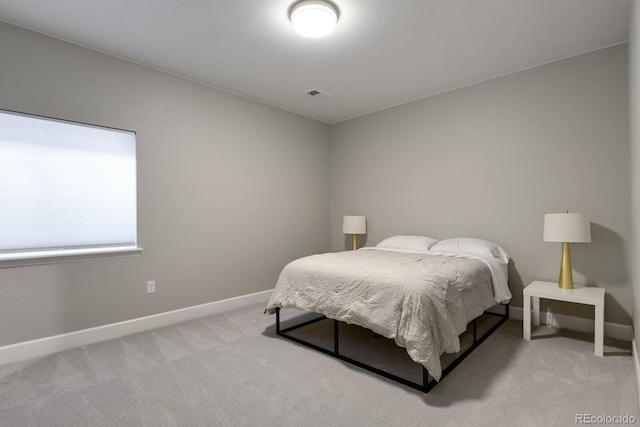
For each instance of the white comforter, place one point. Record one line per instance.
(413, 298)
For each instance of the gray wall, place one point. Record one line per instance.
(489, 160)
(230, 190)
(634, 136)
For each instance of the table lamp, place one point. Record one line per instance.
(354, 224)
(566, 228)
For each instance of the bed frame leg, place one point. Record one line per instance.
(277, 320)
(336, 338)
(425, 379)
(475, 339)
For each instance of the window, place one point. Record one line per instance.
(66, 189)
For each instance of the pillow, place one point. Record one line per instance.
(470, 245)
(416, 243)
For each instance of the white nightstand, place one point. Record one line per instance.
(549, 290)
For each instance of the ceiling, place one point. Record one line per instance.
(382, 52)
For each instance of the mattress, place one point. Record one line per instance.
(423, 301)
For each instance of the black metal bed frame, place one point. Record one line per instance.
(428, 382)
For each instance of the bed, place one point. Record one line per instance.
(414, 290)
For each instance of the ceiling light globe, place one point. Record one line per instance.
(313, 19)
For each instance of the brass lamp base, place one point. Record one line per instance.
(355, 242)
(566, 277)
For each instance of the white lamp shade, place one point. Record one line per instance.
(567, 227)
(354, 224)
(313, 19)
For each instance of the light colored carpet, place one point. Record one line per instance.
(231, 369)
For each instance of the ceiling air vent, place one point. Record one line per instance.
(317, 93)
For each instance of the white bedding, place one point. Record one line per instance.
(422, 300)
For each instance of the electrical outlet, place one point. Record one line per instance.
(151, 287)
(551, 319)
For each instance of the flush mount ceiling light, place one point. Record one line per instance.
(313, 18)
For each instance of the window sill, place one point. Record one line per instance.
(68, 255)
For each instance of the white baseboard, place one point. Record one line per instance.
(49, 345)
(612, 330)
(636, 368)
